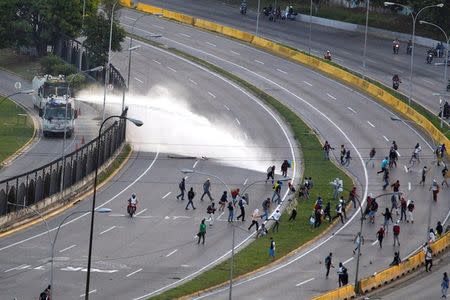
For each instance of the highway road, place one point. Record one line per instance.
(44, 150)
(341, 116)
(133, 256)
(346, 47)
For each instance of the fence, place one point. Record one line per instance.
(36, 185)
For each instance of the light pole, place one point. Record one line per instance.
(441, 109)
(310, 26)
(414, 18)
(135, 122)
(258, 12)
(27, 92)
(447, 39)
(108, 66)
(80, 56)
(63, 150)
(365, 38)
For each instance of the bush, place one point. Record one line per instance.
(53, 65)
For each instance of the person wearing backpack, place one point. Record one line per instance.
(191, 195)
(380, 236)
(202, 232)
(396, 231)
(266, 209)
(328, 263)
(341, 270)
(276, 197)
(182, 187)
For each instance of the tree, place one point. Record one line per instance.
(97, 39)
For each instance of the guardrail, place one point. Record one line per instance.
(35, 186)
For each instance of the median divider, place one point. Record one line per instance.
(313, 62)
(342, 293)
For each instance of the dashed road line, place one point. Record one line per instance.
(171, 69)
(351, 109)
(185, 266)
(306, 82)
(211, 44)
(93, 291)
(220, 215)
(331, 96)
(409, 186)
(237, 120)
(226, 107)
(212, 95)
(157, 26)
(303, 282)
(195, 164)
(184, 34)
(137, 79)
(245, 181)
(398, 153)
(155, 61)
(387, 140)
(281, 71)
(132, 273)
(166, 195)
(259, 62)
(245, 135)
(18, 268)
(397, 70)
(372, 61)
(427, 81)
(348, 260)
(406, 168)
(130, 18)
(65, 249)
(368, 122)
(193, 81)
(171, 252)
(234, 52)
(374, 243)
(141, 212)
(109, 229)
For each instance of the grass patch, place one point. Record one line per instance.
(15, 130)
(115, 164)
(22, 65)
(291, 235)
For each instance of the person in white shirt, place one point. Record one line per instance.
(276, 217)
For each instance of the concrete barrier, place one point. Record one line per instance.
(342, 293)
(126, 3)
(149, 8)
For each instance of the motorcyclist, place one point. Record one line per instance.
(395, 45)
(132, 202)
(396, 81)
(430, 55)
(409, 47)
(327, 55)
(243, 7)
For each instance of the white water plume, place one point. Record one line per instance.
(171, 126)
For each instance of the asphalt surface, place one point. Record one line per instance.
(346, 47)
(157, 246)
(45, 150)
(340, 115)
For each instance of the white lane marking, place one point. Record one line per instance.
(212, 95)
(116, 215)
(245, 181)
(184, 34)
(40, 268)
(184, 266)
(85, 214)
(226, 107)
(65, 249)
(237, 120)
(331, 96)
(195, 164)
(211, 44)
(372, 61)
(93, 291)
(259, 62)
(409, 186)
(141, 212)
(398, 153)
(245, 135)
(306, 82)
(281, 71)
(137, 79)
(266, 109)
(193, 81)
(370, 124)
(234, 52)
(428, 81)
(171, 69)
(374, 243)
(220, 215)
(351, 109)
(338, 59)
(387, 140)
(129, 18)
(157, 26)
(155, 61)
(171, 252)
(406, 168)
(109, 229)
(132, 273)
(303, 282)
(166, 195)
(348, 260)
(397, 70)
(17, 268)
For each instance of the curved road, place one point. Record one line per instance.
(340, 115)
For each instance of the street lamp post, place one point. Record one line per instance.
(16, 93)
(441, 110)
(310, 26)
(80, 55)
(365, 38)
(447, 39)
(135, 122)
(414, 18)
(258, 12)
(108, 66)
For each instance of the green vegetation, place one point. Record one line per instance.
(52, 64)
(16, 128)
(292, 234)
(22, 65)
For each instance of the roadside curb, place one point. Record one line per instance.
(57, 209)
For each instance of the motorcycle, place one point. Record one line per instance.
(429, 57)
(327, 55)
(131, 209)
(396, 48)
(395, 84)
(243, 8)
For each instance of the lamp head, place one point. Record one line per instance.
(134, 48)
(440, 5)
(27, 92)
(187, 171)
(103, 210)
(395, 119)
(389, 3)
(99, 68)
(136, 122)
